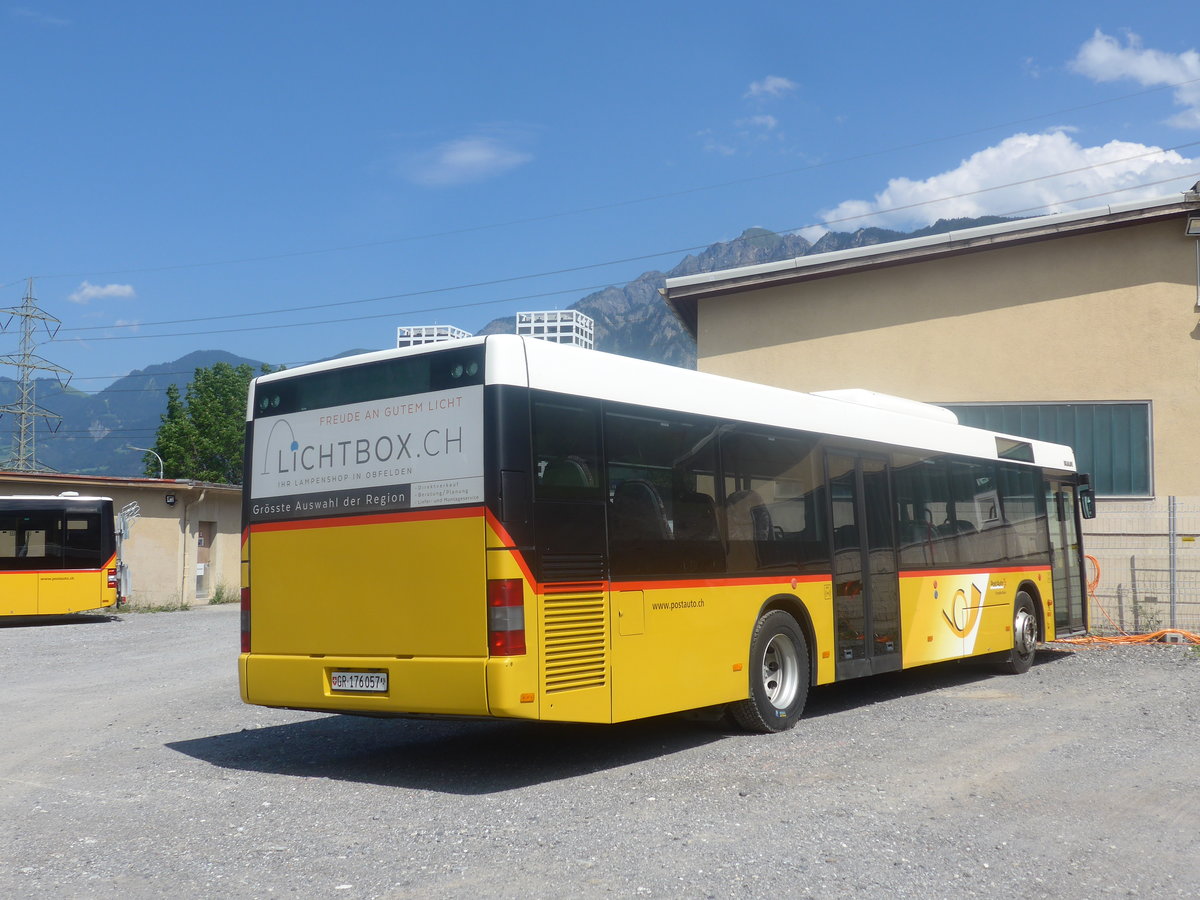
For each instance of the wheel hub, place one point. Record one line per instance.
(780, 672)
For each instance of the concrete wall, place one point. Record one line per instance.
(162, 549)
(1104, 315)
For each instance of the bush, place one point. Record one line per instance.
(223, 593)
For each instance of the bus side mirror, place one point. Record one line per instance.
(1087, 503)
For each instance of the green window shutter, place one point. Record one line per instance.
(1111, 440)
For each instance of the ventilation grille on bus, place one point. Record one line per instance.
(574, 640)
(572, 567)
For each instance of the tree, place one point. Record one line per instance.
(202, 434)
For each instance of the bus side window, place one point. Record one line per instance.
(661, 474)
(1024, 512)
(772, 516)
(565, 446)
(568, 511)
(924, 527)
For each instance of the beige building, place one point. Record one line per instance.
(185, 543)
(1081, 328)
(1078, 311)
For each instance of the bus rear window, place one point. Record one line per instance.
(388, 378)
(82, 542)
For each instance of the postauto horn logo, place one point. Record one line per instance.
(294, 446)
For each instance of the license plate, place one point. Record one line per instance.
(368, 682)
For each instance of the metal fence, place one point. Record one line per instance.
(1144, 563)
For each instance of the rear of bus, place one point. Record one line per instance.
(365, 571)
(58, 555)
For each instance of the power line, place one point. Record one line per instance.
(112, 433)
(628, 202)
(641, 258)
(340, 303)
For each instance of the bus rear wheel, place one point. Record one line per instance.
(1025, 635)
(779, 675)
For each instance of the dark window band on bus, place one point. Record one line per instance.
(385, 379)
(43, 536)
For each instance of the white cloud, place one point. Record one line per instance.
(88, 291)
(755, 130)
(714, 144)
(772, 86)
(813, 233)
(466, 160)
(1104, 58)
(1004, 174)
(30, 15)
(767, 123)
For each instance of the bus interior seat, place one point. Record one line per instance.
(637, 512)
(695, 517)
(566, 472)
(749, 518)
(952, 528)
(845, 537)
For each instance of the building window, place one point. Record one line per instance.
(1111, 440)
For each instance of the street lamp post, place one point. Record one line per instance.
(156, 456)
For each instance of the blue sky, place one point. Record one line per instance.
(287, 181)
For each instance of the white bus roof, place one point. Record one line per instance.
(61, 498)
(852, 414)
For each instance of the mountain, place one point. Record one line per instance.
(633, 320)
(95, 430)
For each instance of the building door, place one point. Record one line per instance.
(1066, 558)
(866, 590)
(206, 534)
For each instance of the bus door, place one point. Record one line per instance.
(866, 589)
(1066, 557)
(571, 560)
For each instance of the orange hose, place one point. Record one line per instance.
(1092, 584)
(1188, 636)
(1122, 637)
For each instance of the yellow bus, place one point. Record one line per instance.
(508, 527)
(58, 555)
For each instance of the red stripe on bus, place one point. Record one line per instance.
(467, 512)
(571, 587)
(501, 532)
(511, 546)
(56, 571)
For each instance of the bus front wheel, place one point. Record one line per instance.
(1025, 635)
(779, 675)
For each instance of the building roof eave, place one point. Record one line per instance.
(115, 481)
(683, 295)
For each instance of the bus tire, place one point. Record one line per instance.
(1025, 635)
(779, 675)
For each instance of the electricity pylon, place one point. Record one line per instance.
(23, 454)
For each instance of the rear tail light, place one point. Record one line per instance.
(245, 620)
(112, 578)
(506, 617)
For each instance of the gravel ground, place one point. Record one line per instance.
(130, 768)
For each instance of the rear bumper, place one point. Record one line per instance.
(427, 685)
